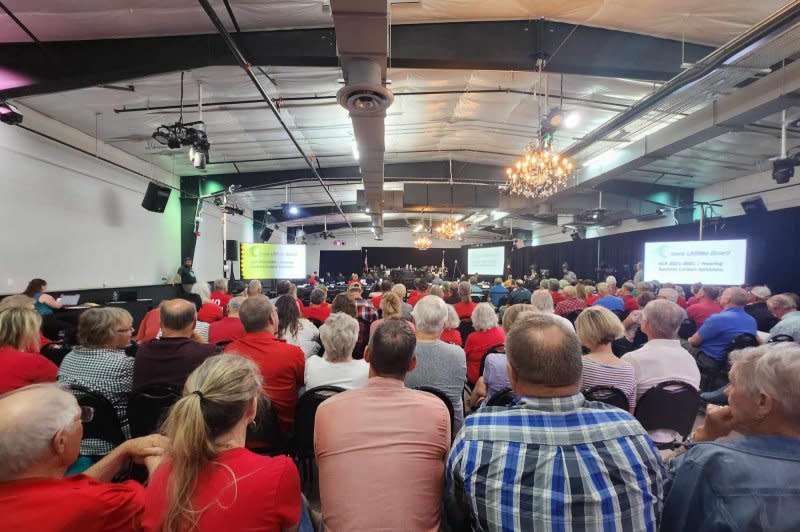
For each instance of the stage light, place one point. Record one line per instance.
(9, 114)
(293, 210)
(783, 170)
(366, 210)
(572, 120)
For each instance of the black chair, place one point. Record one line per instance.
(499, 348)
(670, 405)
(316, 322)
(265, 435)
(55, 352)
(303, 437)
(608, 395)
(105, 425)
(148, 408)
(572, 316)
(446, 400)
(688, 328)
(502, 398)
(780, 338)
(465, 328)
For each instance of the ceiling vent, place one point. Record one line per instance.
(364, 94)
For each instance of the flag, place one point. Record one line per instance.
(366, 261)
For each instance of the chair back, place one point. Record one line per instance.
(317, 323)
(670, 405)
(148, 408)
(741, 342)
(443, 396)
(688, 328)
(502, 398)
(363, 339)
(105, 425)
(304, 416)
(621, 314)
(608, 395)
(465, 328)
(572, 316)
(499, 348)
(265, 436)
(780, 338)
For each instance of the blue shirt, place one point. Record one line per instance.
(496, 293)
(557, 464)
(745, 484)
(612, 303)
(719, 329)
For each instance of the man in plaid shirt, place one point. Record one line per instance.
(553, 461)
(364, 308)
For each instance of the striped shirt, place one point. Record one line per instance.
(556, 464)
(622, 377)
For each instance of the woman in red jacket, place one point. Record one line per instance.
(20, 364)
(487, 334)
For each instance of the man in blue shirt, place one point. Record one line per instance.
(552, 461)
(497, 292)
(716, 333)
(605, 299)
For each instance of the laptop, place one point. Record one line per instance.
(69, 300)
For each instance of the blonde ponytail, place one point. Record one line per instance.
(215, 398)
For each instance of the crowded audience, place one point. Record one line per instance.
(230, 327)
(295, 329)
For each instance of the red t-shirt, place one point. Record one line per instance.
(415, 296)
(18, 369)
(682, 302)
(44, 340)
(700, 312)
(209, 313)
(282, 365)
(464, 310)
(77, 503)
(630, 303)
(320, 312)
(557, 297)
(264, 496)
(590, 299)
(451, 336)
(149, 327)
(229, 328)
(220, 299)
(376, 300)
(476, 346)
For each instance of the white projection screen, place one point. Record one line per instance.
(272, 261)
(716, 262)
(486, 261)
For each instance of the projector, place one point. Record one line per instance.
(783, 169)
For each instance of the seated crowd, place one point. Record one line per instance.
(445, 407)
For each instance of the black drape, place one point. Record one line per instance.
(336, 262)
(394, 257)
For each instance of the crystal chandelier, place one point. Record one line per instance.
(449, 230)
(540, 172)
(423, 242)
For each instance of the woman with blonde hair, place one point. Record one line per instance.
(20, 364)
(209, 480)
(597, 328)
(392, 307)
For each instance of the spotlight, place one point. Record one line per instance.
(9, 114)
(366, 210)
(783, 170)
(293, 210)
(572, 120)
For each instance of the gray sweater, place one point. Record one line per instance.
(444, 367)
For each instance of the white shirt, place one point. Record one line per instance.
(306, 338)
(321, 372)
(658, 361)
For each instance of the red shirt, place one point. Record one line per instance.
(318, 312)
(220, 299)
(630, 303)
(18, 369)
(558, 297)
(451, 336)
(415, 296)
(700, 312)
(44, 340)
(71, 503)
(590, 299)
(477, 345)
(376, 300)
(682, 302)
(265, 495)
(209, 313)
(229, 328)
(282, 365)
(464, 310)
(150, 325)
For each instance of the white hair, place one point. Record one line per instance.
(201, 289)
(453, 320)
(664, 317)
(484, 317)
(542, 300)
(339, 335)
(24, 444)
(235, 304)
(400, 290)
(220, 284)
(430, 314)
(761, 292)
(670, 294)
(611, 280)
(774, 370)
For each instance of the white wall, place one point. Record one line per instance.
(75, 220)
(210, 246)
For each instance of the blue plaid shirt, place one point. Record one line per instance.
(556, 464)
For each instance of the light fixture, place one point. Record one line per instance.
(293, 210)
(366, 210)
(572, 120)
(356, 155)
(540, 171)
(419, 227)
(181, 134)
(9, 114)
(423, 242)
(449, 229)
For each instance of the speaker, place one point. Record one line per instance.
(754, 205)
(156, 197)
(231, 250)
(265, 233)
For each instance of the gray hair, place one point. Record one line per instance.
(97, 326)
(629, 286)
(670, 294)
(761, 292)
(663, 317)
(256, 313)
(221, 284)
(34, 425)
(782, 301)
(430, 313)
(542, 300)
(464, 290)
(400, 290)
(774, 370)
(484, 317)
(235, 304)
(318, 296)
(611, 280)
(201, 289)
(453, 321)
(339, 335)
(437, 290)
(602, 288)
(254, 288)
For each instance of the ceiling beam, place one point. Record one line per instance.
(515, 45)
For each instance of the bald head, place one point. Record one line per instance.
(178, 317)
(37, 430)
(734, 297)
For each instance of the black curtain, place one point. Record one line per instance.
(773, 253)
(394, 257)
(344, 262)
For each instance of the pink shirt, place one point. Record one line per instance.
(381, 451)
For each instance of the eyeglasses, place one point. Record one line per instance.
(87, 414)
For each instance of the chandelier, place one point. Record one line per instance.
(449, 230)
(540, 172)
(423, 242)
